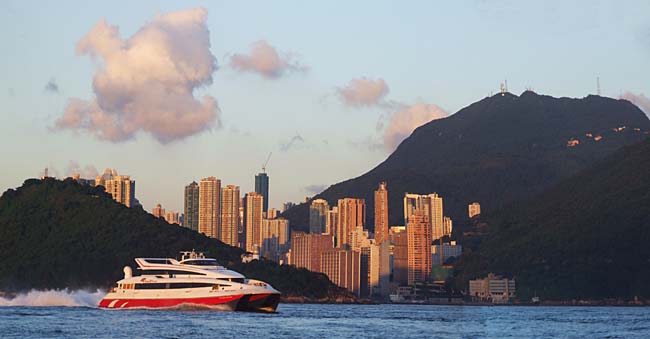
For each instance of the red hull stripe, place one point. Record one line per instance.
(128, 303)
(254, 297)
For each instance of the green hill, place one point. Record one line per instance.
(498, 150)
(586, 238)
(59, 234)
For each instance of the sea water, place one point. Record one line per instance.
(65, 314)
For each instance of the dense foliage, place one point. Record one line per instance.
(586, 238)
(59, 234)
(495, 151)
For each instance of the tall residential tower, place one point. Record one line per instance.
(262, 187)
(191, 204)
(210, 206)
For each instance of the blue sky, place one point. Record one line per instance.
(447, 54)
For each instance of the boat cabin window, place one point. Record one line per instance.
(237, 280)
(168, 272)
(162, 286)
(201, 262)
(159, 261)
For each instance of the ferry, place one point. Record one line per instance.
(194, 281)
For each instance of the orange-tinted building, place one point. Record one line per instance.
(381, 213)
(352, 214)
(343, 268)
(419, 248)
(306, 249)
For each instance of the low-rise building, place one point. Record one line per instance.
(493, 288)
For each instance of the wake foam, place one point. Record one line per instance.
(55, 298)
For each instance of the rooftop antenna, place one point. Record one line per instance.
(598, 85)
(266, 162)
(503, 89)
(506, 85)
(45, 176)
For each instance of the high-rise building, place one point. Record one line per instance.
(447, 226)
(332, 221)
(172, 217)
(262, 187)
(191, 206)
(352, 213)
(210, 206)
(449, 250)
(474, 209)
(287, 205)
(342, 267)
(253, 214)
(419, 248)
(229, 231)
(272, 213)
(318, 215)
(275, 238)
(306, 249)
(158, 211)
(431, 206)
(381, 213)
(359, 238)
(120, 187)
(379, 268)
(399, 238)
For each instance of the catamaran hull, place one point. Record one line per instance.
(224, 303)
(263, 302)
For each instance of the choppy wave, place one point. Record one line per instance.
(55, 298)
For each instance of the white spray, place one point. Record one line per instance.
(55, 298)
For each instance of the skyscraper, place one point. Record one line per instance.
(262, 187)
(318, 216)
(332, 221)
(399, 238)
(158, 211)
(474, 209)
(379, 268)
(381, 213)
(210, 206)
(447, 226)
(352, 214)
(275, 238)
(431, 206)
(253, 213)
(419, 248)
(120, 187)
(230, 215)
(191, 204)
(342, 267)
(306, 249)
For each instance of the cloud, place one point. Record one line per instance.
(363, 92)
(52, 87)
(87, 172)
(403, 122)
(265, 60)
(642, 101)
(146, 83)
(295, 139)
(314, 189)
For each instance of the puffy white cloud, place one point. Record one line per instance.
(363, 92)
(265, 60)
(642, 101)
(146, 83)
(403, 122)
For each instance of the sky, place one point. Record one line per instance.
(171, 92)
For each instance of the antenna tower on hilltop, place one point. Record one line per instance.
(598, 86)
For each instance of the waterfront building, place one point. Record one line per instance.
(399, 239)
(253, 212)
(191, 206)
(158, 211)
(381, 213)
(493, 288)
(209, 207)
(351, 214)
(432, 207)
(474, 209)
(306, 249)
(449, 250)
(318, 215)
(229, 230)
(419, 248)
(262, 187)
(379, 277)
(275, 238)
(342, 267)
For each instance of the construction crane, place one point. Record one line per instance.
(266, 162)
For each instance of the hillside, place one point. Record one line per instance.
(59, 234)
(495, 151)
(586, 238)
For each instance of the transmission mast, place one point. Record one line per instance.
(598, 85)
